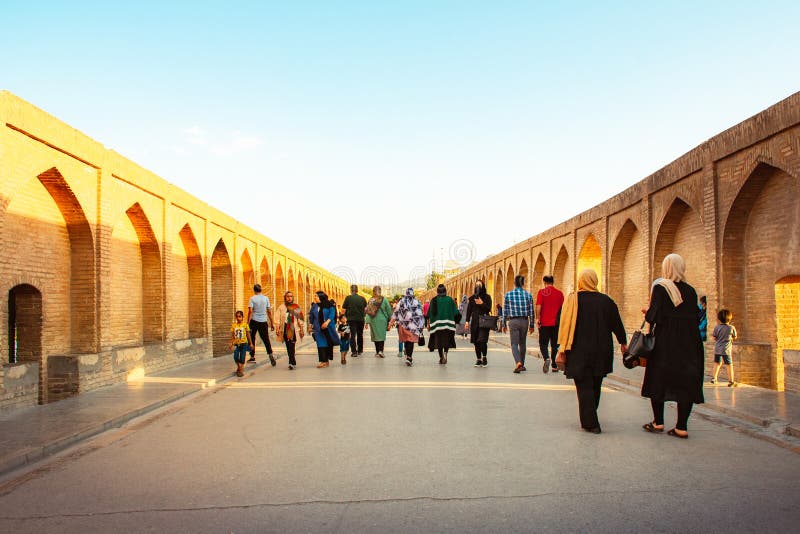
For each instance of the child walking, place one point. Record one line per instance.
(240, 342)
(344, 336)
(724, 334)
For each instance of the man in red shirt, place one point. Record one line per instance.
(548, 309)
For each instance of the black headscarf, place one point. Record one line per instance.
(441, 289)
(480, 291)
(324, 301)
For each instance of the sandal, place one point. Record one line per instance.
(651, 427)
(672, 432)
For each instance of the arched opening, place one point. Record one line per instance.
(760, 246)
(591, 257)
(681, 232)
(267, 285)
(627, 274)
(490, 285)
(152, 302)
(195, 292)
(301, 290)
(523, 271)
(538, 273)
(280, 283)
(561, 272)
(308, 298)
(292, 285)
(221, 298)
(248, 281)
(787, 314)
(499, 290)
(509, 280)
(25, 330)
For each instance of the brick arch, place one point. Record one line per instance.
(248, 280)
(490, 284)
(82, 288)
(627, 274)
(499, 287)
(523, 271)
(266, 283)
(561, 270)
(758, 249)
(538, 273)
(509, 279)
(195, 294)
(301, 288)
(280, 280)
(591, 257)
(222, 301)
(291, 283)
(151, 276)
(681, 232)
(25, 315)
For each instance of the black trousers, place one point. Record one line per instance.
(263, 331)
(684, 411)
(357, 337)
(325, 354)
(548, 335)
(379, 346)
(588, 388)
(290, 344)
(408, 347)
(481, 348)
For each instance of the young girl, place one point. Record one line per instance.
(724, 334)
(344, 337)
(240, 339)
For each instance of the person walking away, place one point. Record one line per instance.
(478, 304)
(258, 312)
(548, 308)
(702, 315)
(344, 337)
(518, 319)
(500, 317)
(240, 341)
(322, 317)
(400, 344)
(462, 311)
(442, 319)
(410, 323)
(378, 313)
(290, 326)
(724, 334)
(354, 306)
(675, 369)
(589, 318)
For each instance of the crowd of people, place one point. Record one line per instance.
(575, 334)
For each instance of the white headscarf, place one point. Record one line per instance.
(673, 269)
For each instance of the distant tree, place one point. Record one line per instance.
(433, 280)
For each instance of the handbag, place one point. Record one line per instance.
(421, 341)
(640, 348)
(487, 321)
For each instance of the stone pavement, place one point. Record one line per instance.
(31, 434)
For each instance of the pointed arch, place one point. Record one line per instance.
(280, 281)
(681, 232)
(267, 285)
(509, 280)
(523, 271)
(25, 331)
(499, 288)
(756, 279)
(151, 285)
(291, 283)
(591, 257)
(248, 280)
(221, 298)
(627, 273)
(561, 271)
(195, 290)
(538, 274)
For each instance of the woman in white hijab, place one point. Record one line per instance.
(675, 370)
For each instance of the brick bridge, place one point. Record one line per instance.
(107, 269)
(730, 207)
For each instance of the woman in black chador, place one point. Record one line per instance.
(675, 370)
(480, 303)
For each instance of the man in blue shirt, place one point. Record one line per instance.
(519, 319)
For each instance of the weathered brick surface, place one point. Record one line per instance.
(131, 272)
(730, 207)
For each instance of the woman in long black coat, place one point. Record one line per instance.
(675, 370)
(480, 303)
(589, 318)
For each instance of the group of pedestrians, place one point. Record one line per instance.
(575, 334)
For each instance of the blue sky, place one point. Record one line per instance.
(405, 126)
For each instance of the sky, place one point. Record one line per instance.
(381, 139)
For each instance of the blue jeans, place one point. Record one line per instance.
(240, 352)
(344, 345)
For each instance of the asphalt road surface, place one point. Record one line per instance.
(375, 446)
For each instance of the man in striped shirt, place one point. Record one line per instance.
(519, 320)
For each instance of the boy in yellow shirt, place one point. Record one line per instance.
(240, 339)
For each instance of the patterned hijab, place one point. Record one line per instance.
(409, 313)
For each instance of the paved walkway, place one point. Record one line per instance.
(30, 434)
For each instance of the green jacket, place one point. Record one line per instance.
(379, 323)
(354, 306)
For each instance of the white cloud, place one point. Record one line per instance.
(220, 144)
